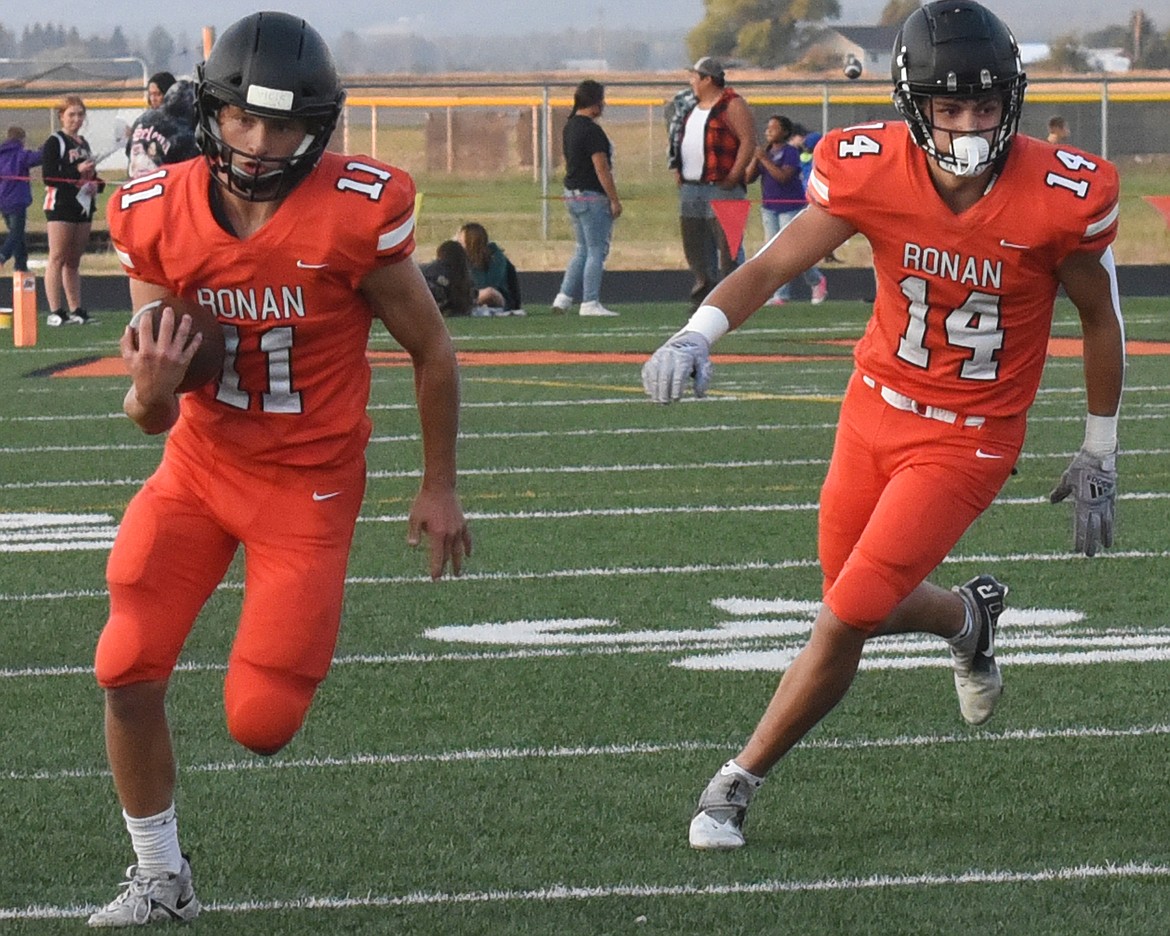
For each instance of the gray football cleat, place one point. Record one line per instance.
(151, 898)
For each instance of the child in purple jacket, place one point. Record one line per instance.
(15, 195)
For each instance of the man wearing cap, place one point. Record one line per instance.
(714, 146)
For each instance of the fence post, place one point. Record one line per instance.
(450, 140)
(825, 109)
(545, 159)
(1105, 118)
(535, 142)
(374, 131)
(650, 138)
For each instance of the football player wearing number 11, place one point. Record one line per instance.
(297, 251)
(974, 229)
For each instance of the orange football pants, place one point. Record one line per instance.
(173, 548)
(900, 491)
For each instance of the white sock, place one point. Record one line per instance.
(965, 630)
(731, 767)
(156, 841)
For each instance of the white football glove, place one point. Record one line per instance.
(1092, 483)
(685, 356)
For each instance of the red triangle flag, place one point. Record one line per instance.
(1162, 203)
(732, 214)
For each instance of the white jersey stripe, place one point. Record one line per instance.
(819, 185)
(396, 236)
(1098, 226)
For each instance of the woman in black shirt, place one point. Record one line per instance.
(591, 199)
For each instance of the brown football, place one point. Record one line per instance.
(208, 360)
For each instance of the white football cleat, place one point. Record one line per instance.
(150, 898)
(978, 681)
(718, 820)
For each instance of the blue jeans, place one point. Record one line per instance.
(14, 245)
(592, 224)
(774, 223)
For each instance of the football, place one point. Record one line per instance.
(208, 360)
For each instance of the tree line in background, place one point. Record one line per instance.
(765, 33)
(57, 43)
(623, 50)
(771, 33)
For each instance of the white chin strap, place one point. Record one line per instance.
(968, 156)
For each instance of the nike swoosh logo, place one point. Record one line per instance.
(320, 497)
(979, 453)
(311, 266)
(1004, 243)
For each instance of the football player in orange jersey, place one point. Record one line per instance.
(974, 229)
(297, 251)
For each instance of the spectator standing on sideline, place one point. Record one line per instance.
(164, 134)
(777, 165)
(71, 189)
(1058, 132)
(16, 195)
(716, 140)
(934, 415)
(157, 87)
(591, 199)
(493, 274)
(272, 454)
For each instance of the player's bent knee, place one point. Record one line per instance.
(265, 708)
(863, 598)
(123, 658)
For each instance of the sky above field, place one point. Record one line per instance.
(1032, 20)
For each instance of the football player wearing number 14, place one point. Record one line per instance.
(974, 228)
(297, 251)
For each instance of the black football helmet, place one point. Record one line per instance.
(271, 65)
(958, 49)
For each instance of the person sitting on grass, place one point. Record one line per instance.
(492, 272)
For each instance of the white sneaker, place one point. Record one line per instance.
(562, 303)
(820, 292)
(150, 898)
(977, 678)
(55, 319)
(595, 308)
(718, 820)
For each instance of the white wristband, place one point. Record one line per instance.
(1100, 435)
(710, 322)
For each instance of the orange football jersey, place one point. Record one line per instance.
(964, 301)
(296, 381)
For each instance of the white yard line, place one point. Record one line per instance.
(559, 892)
(638, 748)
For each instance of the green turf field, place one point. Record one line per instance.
(519, 751)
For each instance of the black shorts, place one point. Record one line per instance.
(61, 205)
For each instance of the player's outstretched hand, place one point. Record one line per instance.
(684, 357)
(439, 515)
(1091, 481)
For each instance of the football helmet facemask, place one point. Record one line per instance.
(271, 65)
(958, 49)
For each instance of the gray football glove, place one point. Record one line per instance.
(1092, 482)
(684, 356)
